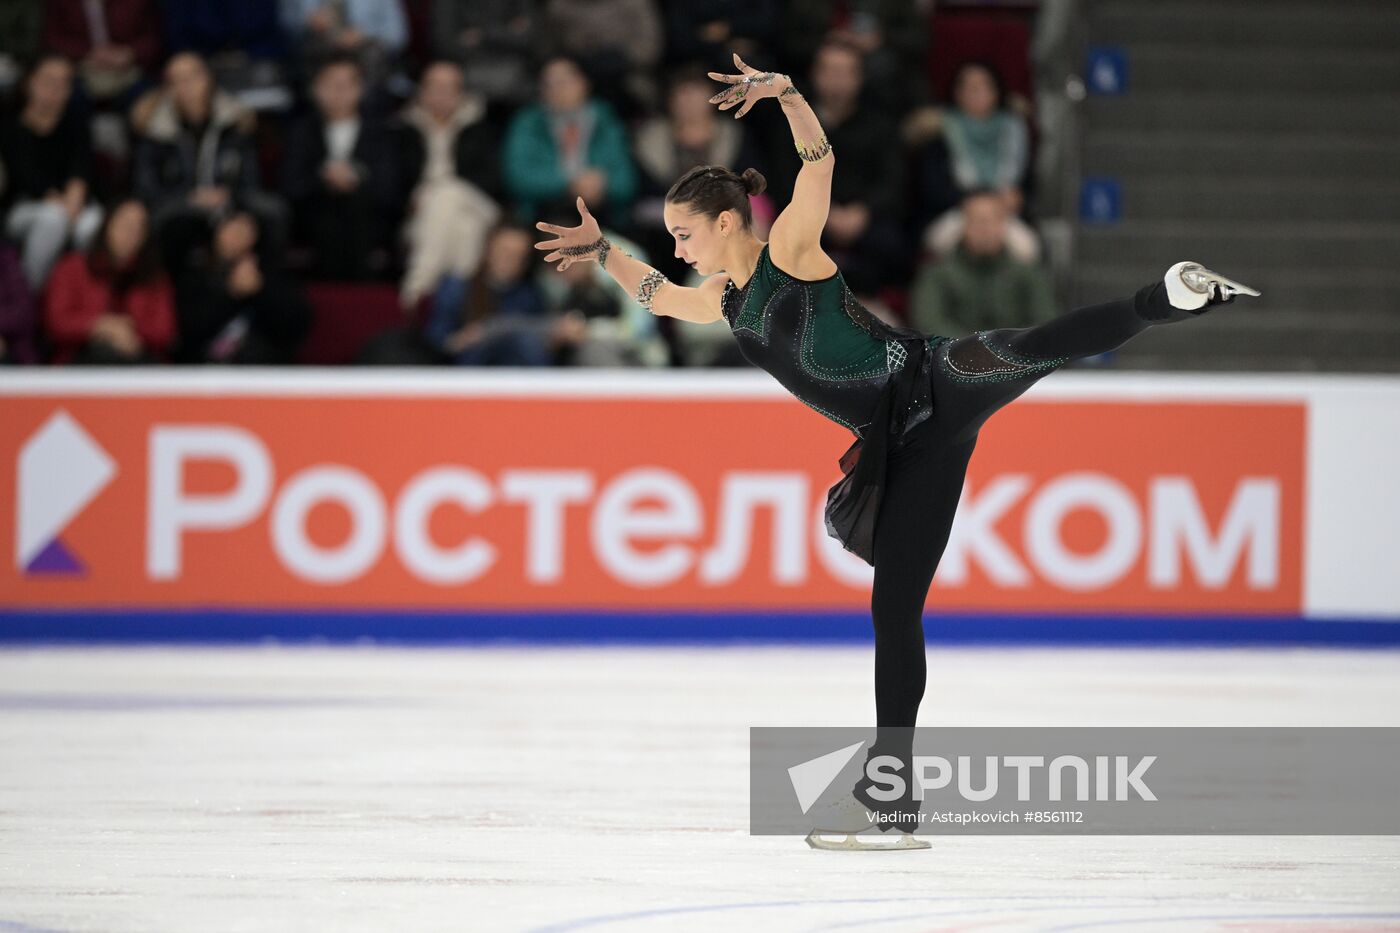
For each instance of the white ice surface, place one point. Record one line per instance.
(295, 788)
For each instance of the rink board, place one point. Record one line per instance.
(215, 505)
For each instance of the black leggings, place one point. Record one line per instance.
(973, 376)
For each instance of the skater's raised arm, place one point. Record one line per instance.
(649, 288)
(795, 238)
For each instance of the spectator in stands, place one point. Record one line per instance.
(340, 175)
(195, 161)
(117, 43)
(17, 317)
(374, 31)
(242, 44)
(493, 42)
(692, 132)
(499, 317)
(568, 145)
(610, 328)
(235, 307)
(708, 31)
(617, 44)
(981, 142)
(863, 225)
(982, 285)
(112, 304)
(890, 35)
(47, 160)
(450, 156)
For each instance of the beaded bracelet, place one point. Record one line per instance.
(646, 291)
(600, 246)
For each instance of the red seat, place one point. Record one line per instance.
(1001, 36)
(346, 314)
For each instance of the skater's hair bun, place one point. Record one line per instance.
(754, 182)
(713, 189)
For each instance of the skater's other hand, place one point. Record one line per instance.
(586, 234)
(748, 87)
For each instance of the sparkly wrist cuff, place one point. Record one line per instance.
(813, 151)
(646, 291)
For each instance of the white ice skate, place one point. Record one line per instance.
(1191, 286)
(845, 825)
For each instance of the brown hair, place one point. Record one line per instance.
(143, 267)
(713, 189)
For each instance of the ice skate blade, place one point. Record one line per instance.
(1199, 279)
(864, 842)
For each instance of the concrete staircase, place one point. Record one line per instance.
(1262, 138)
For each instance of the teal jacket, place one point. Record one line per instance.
(532, 172)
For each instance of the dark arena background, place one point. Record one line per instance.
(363, 571)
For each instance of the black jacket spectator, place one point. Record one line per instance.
(342, 227)
(863, 234)
(175, 156)
(36, 165)
(196, 163)
(235, 306)
(46, 170)
(345, 202)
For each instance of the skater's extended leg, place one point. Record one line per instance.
(1185, 291)
(1083, 332)
(980, 373)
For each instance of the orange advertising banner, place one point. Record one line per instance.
(611, 501)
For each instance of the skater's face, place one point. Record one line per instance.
(699, 239)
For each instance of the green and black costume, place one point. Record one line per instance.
(915, 404)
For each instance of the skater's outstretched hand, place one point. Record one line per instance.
(748, 87)
(573, 244)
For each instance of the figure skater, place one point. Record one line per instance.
(914, 402)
